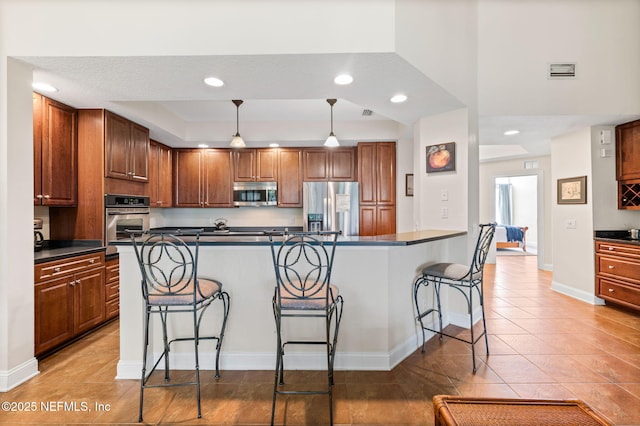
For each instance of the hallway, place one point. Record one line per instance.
(543, 345)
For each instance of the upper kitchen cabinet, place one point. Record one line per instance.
(329, 164)
(290, 177)
(255, 165)
(377, 178)
(55, 152)
(628, 151)
(126, 149)
(160, 178)
(628, 165)
(202, 178)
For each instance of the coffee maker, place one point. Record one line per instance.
(38, 238)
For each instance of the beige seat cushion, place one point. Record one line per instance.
(207, 289)
(452, 271)
(294, 299)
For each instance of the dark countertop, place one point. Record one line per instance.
(258, 238)
(55, 250)
(616, 236)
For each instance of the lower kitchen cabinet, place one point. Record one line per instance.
(618, 273)
(69, 299)
(112, 288)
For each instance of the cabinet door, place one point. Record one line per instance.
(112, 288)
(53, 313)
(89, 299)
(290, 177)
(342, 164)
(138, 153)
(385, 220)
(367, 160)
(266, 165)
(159, 175)
(315, 164)
(59, 154)
(218, 183)
(386, 173)
(244, 165)
(37, 149)
(187, 178)
(628, 151)
(116, 146)
(367, 225)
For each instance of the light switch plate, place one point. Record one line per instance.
(444, 212)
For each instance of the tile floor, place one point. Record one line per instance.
(543, 345)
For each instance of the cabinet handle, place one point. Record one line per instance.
(611, 249)
(611, 266)
(611, 290)
(72, 283)
(56, 269)
(39, 196)
(92, 261)
(46, 197)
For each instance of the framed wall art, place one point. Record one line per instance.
(572, 190)
(441, 157)
(408, 185)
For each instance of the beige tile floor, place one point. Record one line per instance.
(543, 345)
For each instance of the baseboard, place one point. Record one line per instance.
(582, 295)
(9, 379)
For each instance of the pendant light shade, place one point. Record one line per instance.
(237, 141)
(332, 140)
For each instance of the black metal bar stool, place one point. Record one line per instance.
(170, 285)
(303, 263)
(466, 279)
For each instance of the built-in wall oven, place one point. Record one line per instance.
(125, 212)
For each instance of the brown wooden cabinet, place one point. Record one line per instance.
(329, 164)
(628, 165)
(202, 178)
(126, 149)
(290, 177)
(55, 153)
(377, 178)
(112, 288)
(160, 177)
(69, 299)
(251, 165)
(618, 273)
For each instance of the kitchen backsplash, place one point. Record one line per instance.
(243, 216)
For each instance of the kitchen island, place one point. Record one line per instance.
(375, 277)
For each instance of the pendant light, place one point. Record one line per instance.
(332, 140)
(237, 141)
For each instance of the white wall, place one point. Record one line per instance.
(573, 260)
(517, 39)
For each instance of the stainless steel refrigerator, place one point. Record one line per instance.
(331, 206)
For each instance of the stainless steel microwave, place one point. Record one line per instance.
(255, 194)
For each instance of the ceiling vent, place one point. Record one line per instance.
(562, 70)
(366, 112)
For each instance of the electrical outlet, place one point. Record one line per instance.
(444, 195)
(444, 212)
(570, 224)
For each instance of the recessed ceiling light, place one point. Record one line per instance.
(203, 145)
(44, 87)
(398, 98)
(214, 81)
(343, 79)
(511, 132)
(274, 145)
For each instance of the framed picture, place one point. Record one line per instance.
(572, 190)
(408, 185)
(441, 158)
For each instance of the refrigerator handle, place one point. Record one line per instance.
(328, 226)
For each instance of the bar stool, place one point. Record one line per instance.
(303, 263)
(464, 278)
(170, 285)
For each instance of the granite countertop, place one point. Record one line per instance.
(256, 237)
(60, 249)
(616, 236)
